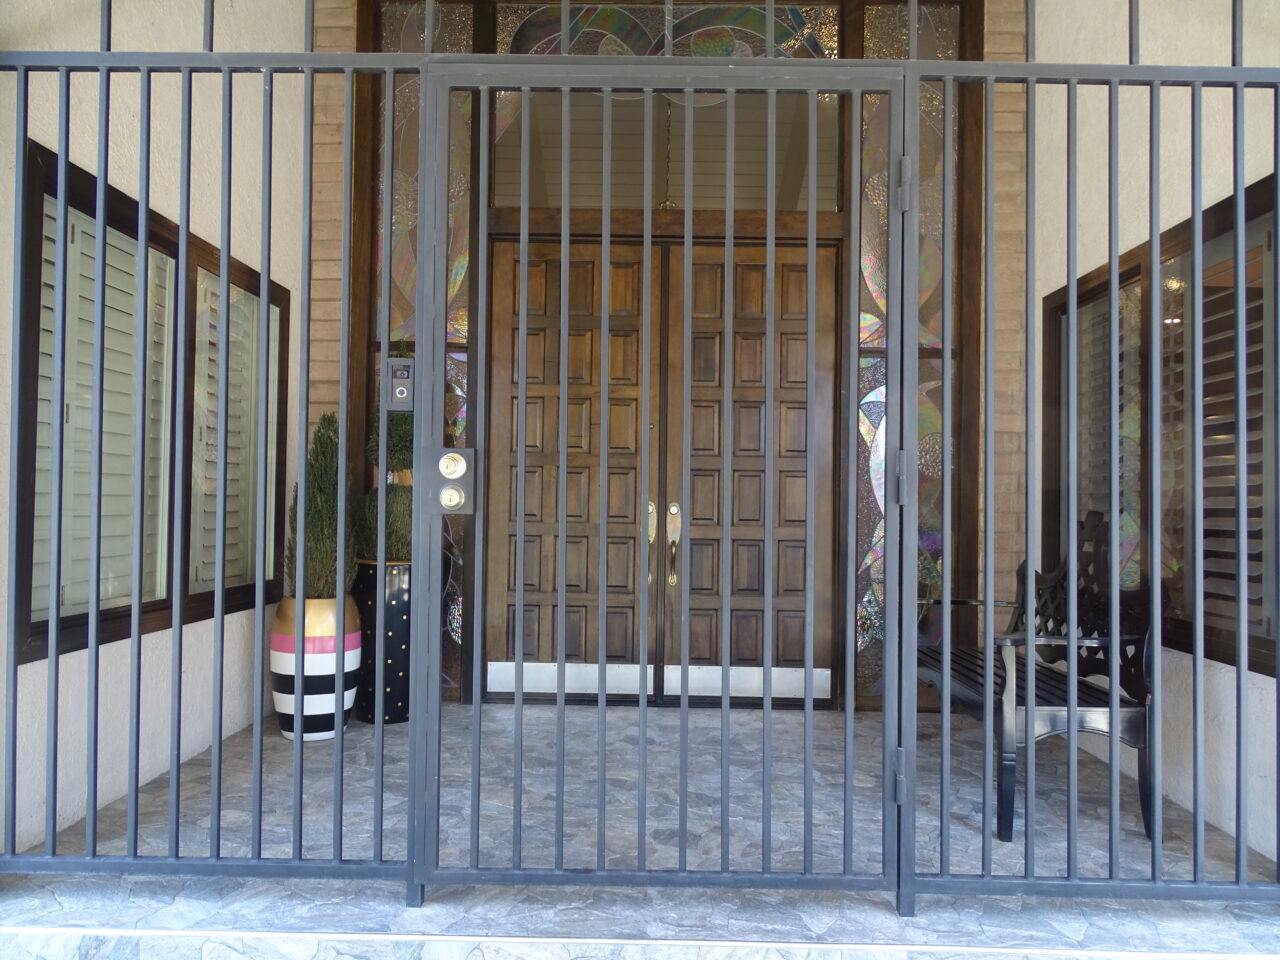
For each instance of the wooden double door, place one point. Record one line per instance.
(677, 594)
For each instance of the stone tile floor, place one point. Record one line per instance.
(211, 917)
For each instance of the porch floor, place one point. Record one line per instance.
(207, 910)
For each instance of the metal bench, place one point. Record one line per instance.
(1095, 646)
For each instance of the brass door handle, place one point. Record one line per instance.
(653, 521)
(673, 541)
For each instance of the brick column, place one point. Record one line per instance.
(1005, 40)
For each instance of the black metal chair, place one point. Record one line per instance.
(1095, 646)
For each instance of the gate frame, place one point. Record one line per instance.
(445, 73)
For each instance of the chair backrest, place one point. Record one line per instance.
(1093, 609)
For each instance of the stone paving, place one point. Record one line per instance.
(210, 917)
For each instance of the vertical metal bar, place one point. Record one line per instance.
(562, 477)
(207, 24)
(770, 481)
(565, 40)
(1237, 33)
(1113, 473)
(913, 29)
(309, 26)
(988, 462)
(1275, 413)
(263, 454)
(17, 387)
(1242, 486)
(480, 401)
(602, 603)
(810, 484)
(1072, 486)
(646, 384)
(380, 587)
(726, 476)
(58, 419)
(1029, 7)
(900, 423)
(522, 482)
(1135, 32)
(429, 402)
(220, 507)
(948, 411)
(853, 332)
(141, 334)
(1196, 365)
(1156, 564)
(95, 466)
(686, 409)
(344, 348)
(668, 32)
(304, 407)
(104, 26)
(1032, 493)
(770, 28)
(177, 587)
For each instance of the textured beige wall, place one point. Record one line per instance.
(73, 25)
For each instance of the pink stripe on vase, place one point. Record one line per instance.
(287, 643)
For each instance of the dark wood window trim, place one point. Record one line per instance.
(163, 235)
(1135, 266)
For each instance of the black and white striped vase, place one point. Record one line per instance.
(319, 663)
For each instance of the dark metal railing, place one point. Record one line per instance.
(911, 861)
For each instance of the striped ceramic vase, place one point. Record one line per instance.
(319, 629)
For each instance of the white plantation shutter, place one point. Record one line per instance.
(244, 394)
(1222, 463)
(118, 426)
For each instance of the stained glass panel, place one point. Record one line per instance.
(717, 30)
(403, 28)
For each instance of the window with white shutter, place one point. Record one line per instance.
(245, 394)
(1236, 447)
(120, 472)
(178, 453)
(1221, 429)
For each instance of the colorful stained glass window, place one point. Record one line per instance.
(403, 27)
(640, 30)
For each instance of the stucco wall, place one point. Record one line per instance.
(148, 25)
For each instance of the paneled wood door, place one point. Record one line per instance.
(621, 494)
(734, 347)
(704, 516)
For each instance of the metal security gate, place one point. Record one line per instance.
(611, 742)
(849, 446)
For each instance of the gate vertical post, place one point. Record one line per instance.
(426, 611)
(900, 589)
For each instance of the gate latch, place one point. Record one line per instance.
(451, 480)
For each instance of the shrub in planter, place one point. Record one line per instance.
(318, 597)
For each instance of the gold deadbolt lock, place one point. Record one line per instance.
(452, 497)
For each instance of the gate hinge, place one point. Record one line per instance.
(906, 183)
(900, 776)
(900, 477)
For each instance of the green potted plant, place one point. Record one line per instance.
(320, 595)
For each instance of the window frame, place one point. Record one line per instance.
(122, 214)
(1134, 266)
